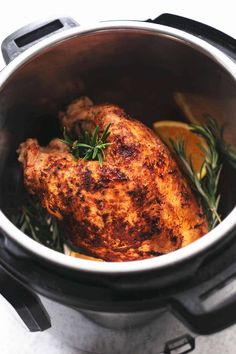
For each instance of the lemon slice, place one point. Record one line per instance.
(195, 107)
(69, 252)
(84, 256)
(168, 129)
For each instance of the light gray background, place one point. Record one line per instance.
(70, 337)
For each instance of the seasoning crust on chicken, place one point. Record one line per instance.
(137, 205)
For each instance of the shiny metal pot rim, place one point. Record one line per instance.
(174, 258)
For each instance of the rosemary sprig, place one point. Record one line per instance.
(217, 152)
(207, 187)
(89, 146)
(35, 222)
(225, 150)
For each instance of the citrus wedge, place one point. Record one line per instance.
(175, 130)
(68, 251)
(84, 256)
(195, 107)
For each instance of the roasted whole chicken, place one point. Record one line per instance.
(137, 205)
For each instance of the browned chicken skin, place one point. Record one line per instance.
(137, 205)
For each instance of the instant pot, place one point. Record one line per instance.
(138, 65)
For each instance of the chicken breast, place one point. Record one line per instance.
(137, 205)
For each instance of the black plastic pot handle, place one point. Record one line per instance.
(25, 37)
(198, 307)
(205, 32)
(27, 304)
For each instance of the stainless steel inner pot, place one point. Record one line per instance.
(135, 65)
(138, 66)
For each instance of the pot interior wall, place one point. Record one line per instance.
(136, 69)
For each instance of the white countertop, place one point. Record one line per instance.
(14, 338)
(15, 14)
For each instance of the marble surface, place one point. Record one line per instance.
(71, 332)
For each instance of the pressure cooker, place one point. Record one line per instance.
(51, 62)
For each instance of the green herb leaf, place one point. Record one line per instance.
(225, 149)
(207, 187)
(100, 158)
(35, 222)
(89, 146)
